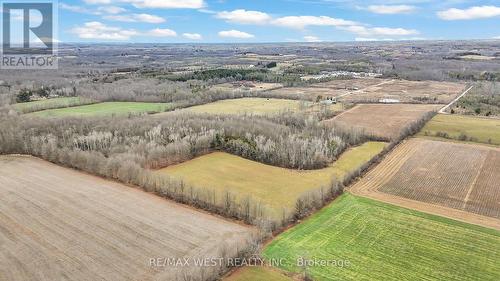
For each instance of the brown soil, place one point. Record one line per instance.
(383, 120)
(60, 224)
(431, 176)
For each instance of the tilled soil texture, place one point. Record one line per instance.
(60, 224)
(459, 181)
(383, 120)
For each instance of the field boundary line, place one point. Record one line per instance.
(443, 110)
(368, 186)
(396, 160)
(450, 213)
(342, 113)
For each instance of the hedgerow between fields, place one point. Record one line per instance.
(127, 149)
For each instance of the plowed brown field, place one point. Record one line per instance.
(384, 120)
(374, 90)
(60, 224)
(408, 92)
(450, 179)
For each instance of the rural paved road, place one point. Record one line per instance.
(443, 110)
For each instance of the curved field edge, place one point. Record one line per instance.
(386, 242)
(277, 188)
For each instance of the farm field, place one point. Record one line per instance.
(104, 109)
(309, 93)
(277, 188)
(364, 90)
(379, 241)
(350, 84)
(408, 92)
(463, 128)
(33, 106)
(449, 179)
(256, 106)
(254, 273)
(67, 225)
(383, 120)
(247, 86)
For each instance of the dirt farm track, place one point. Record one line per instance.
(459, 181)
(60, 224)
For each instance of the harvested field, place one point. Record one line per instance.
(350, 84)
(463, 128)
(250, 87)
(60, 224)
(450, 179)
(375, 90)
(257, 106)
(379, 241)
(309, 93)
(336, 88)
(383, 120)
(408, 92)
(105, 109)
(277, 188)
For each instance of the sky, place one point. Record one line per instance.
(256, 21)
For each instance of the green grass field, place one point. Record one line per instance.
(276, 187)
(104, 109)
(33, 106)
(257, 106)
(385, 242)
(257, 274)
(457, 127)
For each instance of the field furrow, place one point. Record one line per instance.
(450, 179)
(59, 224)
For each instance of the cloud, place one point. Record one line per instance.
(97, 30)
(162, 32)
(379, 31)
(301, 22)
(166, 4)
(391, 9)
(97, 1)
(235, 34)
(496, 37)
(111, 9)
(477, 12)
(207, 11)
(244, 17)
(99, 11)
(136, 18)
(74, 8)
(312, 39)
(192, 36)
